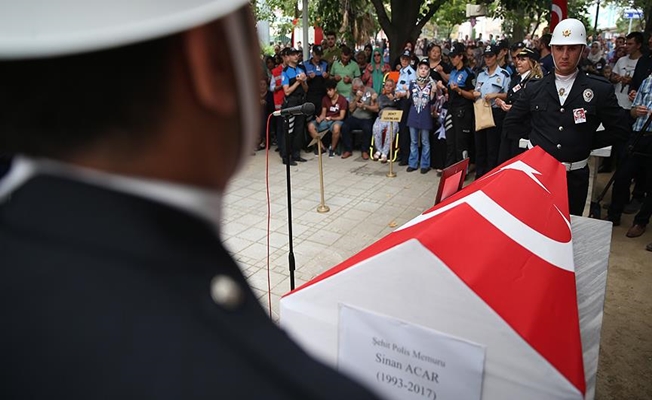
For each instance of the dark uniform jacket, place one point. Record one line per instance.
(516, 86)
(105, 295)
(539, 115)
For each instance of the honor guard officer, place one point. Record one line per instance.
(130, 117)
(562, 111)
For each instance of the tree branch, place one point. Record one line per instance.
(432, 9)
(383, 18)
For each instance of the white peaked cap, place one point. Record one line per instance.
(49, 28)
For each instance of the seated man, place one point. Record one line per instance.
(386, 101)
(333, 112)
(362, 107)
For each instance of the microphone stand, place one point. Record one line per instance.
(288, 154)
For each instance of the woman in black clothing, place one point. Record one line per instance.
(528, 69)
(414, 60)
(460, 107)
(439, 72)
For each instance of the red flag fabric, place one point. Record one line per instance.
(513, 250)
(319, 35)
(559, 12)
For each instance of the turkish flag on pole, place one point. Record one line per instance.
(559, 12)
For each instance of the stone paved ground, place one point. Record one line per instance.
(365, 205)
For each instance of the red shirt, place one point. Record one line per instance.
(279, 95)
(333, 109)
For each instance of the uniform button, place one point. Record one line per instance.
(226, 292)
(536, 107)
(561, 128)
(561, 109)
(559, 146)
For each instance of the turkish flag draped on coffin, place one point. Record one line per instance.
(494, 266)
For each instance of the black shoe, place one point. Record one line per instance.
(292, 162)
(410, 169)
(300, 159)
(403, 163)
(614, 220)
(425, 170)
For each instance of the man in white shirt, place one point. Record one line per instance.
(624, 69)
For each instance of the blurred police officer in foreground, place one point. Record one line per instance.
(562, 111)
(130, 119)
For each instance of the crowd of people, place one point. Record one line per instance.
(436, 85)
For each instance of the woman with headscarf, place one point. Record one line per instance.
(594, 62)
(367, 51)
(377, 69)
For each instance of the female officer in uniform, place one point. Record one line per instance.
(527, 69)
(492, 85)
(562, 111)
(460, 106)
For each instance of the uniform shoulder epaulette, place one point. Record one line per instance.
(534, 83)
(506, 73)
(599, 78)
(286, 68)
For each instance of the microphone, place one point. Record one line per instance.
(304, 109)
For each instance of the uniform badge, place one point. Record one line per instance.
(588, 95)
(516, 88)
(579, 115)
(498, 80)
(566, 33)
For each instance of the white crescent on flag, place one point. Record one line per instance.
(558, 12)
(501, 247)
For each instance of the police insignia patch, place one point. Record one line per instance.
(566, 33)
(588, 95)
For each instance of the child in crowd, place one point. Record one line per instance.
(386, 101)
(421, 95)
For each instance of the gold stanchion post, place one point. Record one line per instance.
(322, 208)
(391, 116)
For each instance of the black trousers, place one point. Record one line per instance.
(578, 189)
(487, 145)
(352, 123)
(460, 136)
(294, 126)
(628, 167)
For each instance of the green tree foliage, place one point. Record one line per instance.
(355, 20)
(522, 17)
(644, 23)
(451, 13)
(402, 20)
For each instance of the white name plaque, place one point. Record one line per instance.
(401, 360)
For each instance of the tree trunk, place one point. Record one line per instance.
(518, 33)
(648, 21)
(396, 42)
(406, 21)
